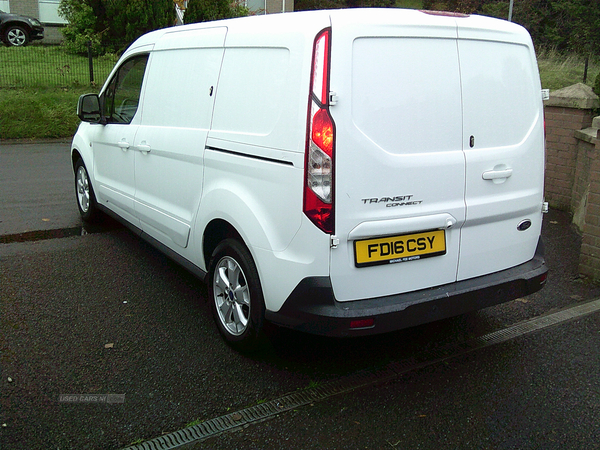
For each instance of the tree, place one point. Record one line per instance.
(305, 5)
(83, 19)
(566, 25)
(207, 10)
(579, 23)
(461, 6)
(310, 5)
(111, 25)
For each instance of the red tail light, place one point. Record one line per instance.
(320, 140)
(322, 131)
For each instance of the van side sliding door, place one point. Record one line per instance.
(178, 104)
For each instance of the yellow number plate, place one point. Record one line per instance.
(396, 249)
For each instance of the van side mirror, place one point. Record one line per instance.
(88, 108)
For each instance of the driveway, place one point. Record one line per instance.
(106, 344)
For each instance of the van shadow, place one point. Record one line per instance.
(321, 357)
(291, 352)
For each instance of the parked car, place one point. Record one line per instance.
(342, 172)
(17, 30)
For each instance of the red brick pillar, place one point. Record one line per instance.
(568, 110)
(589, 258)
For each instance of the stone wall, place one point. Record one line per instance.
(572, 179)
(26, 7)
(568, 110)
(589, 208)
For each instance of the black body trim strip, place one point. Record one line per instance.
(245, 155)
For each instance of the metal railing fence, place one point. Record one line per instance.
(50, 66)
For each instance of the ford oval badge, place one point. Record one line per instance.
(525, 224)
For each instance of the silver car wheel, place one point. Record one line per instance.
(231, 296)
(83, 189)
(16, 37)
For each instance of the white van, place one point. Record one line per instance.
(341, 172)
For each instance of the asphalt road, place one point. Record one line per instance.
(105, 313)
(36, 187)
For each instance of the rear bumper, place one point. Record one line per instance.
(312, 306)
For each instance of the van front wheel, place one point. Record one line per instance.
(86, 200)
(236, 295)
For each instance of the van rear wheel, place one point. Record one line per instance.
(236, 295)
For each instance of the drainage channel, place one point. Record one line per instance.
(41, 235)
(264, 411)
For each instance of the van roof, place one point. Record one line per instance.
(308, 23)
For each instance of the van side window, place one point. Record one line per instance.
(122, 96)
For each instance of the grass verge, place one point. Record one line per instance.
(37, 113)
(558, 70)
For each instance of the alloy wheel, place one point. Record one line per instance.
(231, 296)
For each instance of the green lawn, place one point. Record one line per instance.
(558, 70)
(35, 113)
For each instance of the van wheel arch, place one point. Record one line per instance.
(217, 231)
(75, 156)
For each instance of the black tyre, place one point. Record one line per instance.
(86, 200)
(236, 296)
(16, 36)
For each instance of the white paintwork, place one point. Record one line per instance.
(221, 127)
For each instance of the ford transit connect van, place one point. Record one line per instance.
(342, 172)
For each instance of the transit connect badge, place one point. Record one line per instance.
(391, 202)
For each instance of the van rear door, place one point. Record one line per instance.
(504, 146)
(399, 161)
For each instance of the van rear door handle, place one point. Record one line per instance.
(389, 227)
(498, 175)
